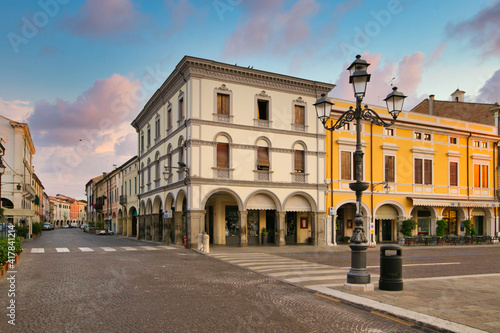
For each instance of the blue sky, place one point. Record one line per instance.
(66, 63)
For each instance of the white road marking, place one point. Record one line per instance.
(38, 250)
(86, 249)
(129, 248)
(108, 249)
(62, 249)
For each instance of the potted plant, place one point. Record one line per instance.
(441, 226)
(470, 231)
(264, 233)
(407, 228)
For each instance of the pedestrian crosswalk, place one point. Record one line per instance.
(98, 249)
(297, 272)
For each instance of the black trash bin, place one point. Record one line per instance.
(391, 268)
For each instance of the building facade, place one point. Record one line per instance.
(127, 214)
(234, 152)
(18, 193)
(424, 167)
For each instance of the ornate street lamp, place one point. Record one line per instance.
(359, 79)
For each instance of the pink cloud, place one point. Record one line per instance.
(98, 18)
(107, 105)
(436, 54)
(481, 30)
(16, 110)
(269, 26)
(406, 75)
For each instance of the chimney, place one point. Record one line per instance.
(114, 166)
(431, 105)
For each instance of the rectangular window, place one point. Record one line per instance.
(346, 167)
(142, 141)
(262, 110)
(130, 187)
(389, 169)
(427, 137)
(223, 104)
(157, 127)
(453, 174)
(389, 131)
(135, 185)
(476, 144)
(149, 136)
(263, 158)
(299, 115)
(453, 141)
(484, 144)
(169, 118)
(347, 127)
(222, 155)
(480, 175)
(181, 109)
(418, 136)
(418, 171)
(427, 172)
(299, 161)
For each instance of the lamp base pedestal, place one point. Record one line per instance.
(359, 288)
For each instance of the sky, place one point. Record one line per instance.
(79, 71)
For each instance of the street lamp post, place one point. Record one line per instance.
(359, 79)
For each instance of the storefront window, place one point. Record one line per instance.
(253, 223)
(232, 221)
(450, 216)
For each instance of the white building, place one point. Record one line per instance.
(17, 191)
(234, 152)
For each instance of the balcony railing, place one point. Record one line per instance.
(123, 199)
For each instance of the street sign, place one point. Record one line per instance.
(168, 214)
(331, 211)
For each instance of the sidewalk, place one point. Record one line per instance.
(450, 304)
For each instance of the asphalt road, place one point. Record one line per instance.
(86, 283)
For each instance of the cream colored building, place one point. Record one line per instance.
(17, 190)
(127, 214)
(231, 151)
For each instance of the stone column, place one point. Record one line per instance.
(314, 227)
(129, 226)
(281, 229)
(178, 228)
(149, 219)
(195, 226)
(141, 228)
(155, 220)
(320, 219)
(243, 228)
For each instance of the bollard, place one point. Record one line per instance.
(391, 269)
(206, 243)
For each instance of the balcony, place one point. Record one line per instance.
(29, 192)
(123, 199)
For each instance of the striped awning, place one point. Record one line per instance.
(455, 203)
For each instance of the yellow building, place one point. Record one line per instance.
(424, 168)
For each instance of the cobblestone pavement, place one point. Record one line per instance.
(452, 288)
(163, 290)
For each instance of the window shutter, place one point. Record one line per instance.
(484, 176)
(345, 158)
(453, 174)
(299, 115)
(477, 175)
(428, 171)
(299, 161)
(263, 157)
(222, 155)
(223, 104)
(389, 169)
(418, 171)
